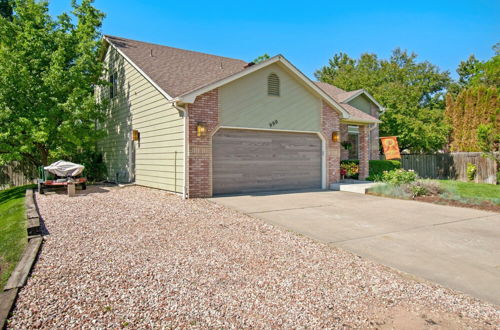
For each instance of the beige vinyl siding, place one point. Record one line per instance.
(158, 159)
(362, 103)
(245, 103)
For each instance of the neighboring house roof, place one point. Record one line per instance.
(183, 74)
(342, 97)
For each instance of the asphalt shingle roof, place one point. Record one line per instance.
(177, 71)
(339, 95)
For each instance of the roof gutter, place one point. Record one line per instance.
(354, 120)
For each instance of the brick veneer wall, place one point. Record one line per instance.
(205, 109)
(364, 151)
(374, 135)
(330, 123)
(344, 135)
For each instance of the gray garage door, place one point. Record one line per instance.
(250, 161)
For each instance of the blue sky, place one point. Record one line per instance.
(308, 33)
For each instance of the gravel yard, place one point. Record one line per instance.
(142, 258)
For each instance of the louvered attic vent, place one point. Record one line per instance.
(273, 85)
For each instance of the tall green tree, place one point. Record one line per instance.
(6, 8)
(411, 91)
(473, 72)
(48, 70)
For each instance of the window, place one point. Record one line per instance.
(353, 138)
(273, 85)
(113, 89)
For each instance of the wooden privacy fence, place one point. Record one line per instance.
(16, 174)
(451, 166)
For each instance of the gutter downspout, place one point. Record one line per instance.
(185, 189)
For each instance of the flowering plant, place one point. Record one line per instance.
(349, 169)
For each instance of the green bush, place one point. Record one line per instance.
(471, 171)
(95, 169)
(399, 176)
(376, 167)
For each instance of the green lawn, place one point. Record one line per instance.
(13, 235)
(471, 191)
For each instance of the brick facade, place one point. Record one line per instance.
(205, 109)
(374, 135)
(344, 153)
(330, 123)
(363, 151)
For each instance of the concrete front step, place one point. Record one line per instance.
(352, 186)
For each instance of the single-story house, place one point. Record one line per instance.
(199, 124)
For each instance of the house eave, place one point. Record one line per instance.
(362, 121)
(363, 91)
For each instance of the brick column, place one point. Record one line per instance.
(344, 136)
(329, 124)
(205, 109)
(364, 151)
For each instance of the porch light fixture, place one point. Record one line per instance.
(136, 136)
(201, 129)
(335, 136)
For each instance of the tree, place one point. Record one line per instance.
(48, 71)
(488, 72)
(261, 58)
(488, 140)
(412, 93)
(6, 8)
(472, 108)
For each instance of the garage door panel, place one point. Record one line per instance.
(248, 161)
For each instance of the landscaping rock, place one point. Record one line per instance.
(145, 258)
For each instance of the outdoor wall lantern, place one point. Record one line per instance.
(201, 129)
(335, 136)
(136, 136)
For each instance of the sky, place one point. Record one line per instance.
(308, 33)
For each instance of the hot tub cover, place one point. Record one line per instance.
(64, 168)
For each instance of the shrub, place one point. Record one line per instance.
(375, 177)
(389, 190)
(408, 190)
(379, 166)
(376, 167)
(471, 171)
(416, 190)
(95, 169)
(399, 176)
(423, 188)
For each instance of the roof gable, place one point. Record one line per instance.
(343, 97)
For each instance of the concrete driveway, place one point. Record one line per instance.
(456, 247)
